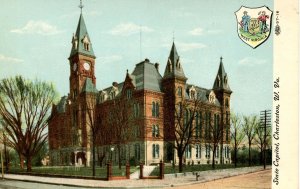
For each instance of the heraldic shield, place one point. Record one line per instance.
(254, 25)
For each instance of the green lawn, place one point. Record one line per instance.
(192, 168)
(75, 171)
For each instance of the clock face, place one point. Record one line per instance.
(74, 66)
(86, 66)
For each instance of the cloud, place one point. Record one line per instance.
(109, 59)
(7, 59)
(250, 61)
(200, 31)
(196, 31)
(37, 27)
(126, 29)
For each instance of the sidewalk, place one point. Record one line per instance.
(169, 181)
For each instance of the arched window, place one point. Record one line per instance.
(153, 109)
(179, 91)
(198, 151)
(155, 151)
(157, 109)
(129, 93)
(155, 131)
(188, 151)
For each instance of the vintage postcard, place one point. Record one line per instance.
(149, 93)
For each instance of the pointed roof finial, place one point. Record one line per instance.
(173, 37)
(221, 58)
(81, 6)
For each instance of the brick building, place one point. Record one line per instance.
(133, 120)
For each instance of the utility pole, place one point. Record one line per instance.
(265, 121)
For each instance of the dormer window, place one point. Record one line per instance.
(225, 79)
(86, 43)
(219, 81)
(212, 97)
(74, 42)
(192, 92)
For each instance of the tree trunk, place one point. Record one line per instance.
(21, 161)
(28, 162)
(213, 159)
(249, 152)
(94, 158)
(119, 157)
(235, 154)
(180, 165)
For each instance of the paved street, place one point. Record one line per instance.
(258, 180)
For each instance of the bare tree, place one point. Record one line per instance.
(249, 126)
(120, 118)
(216, 136)
(185, 113)
(259, 139)
(237, 134)
(25, 108)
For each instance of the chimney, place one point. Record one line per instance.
(115, 84)
(156, 66)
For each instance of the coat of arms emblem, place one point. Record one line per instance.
(254, 25)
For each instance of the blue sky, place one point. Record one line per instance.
(36, 42)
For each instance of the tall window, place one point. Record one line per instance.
(188, 152)
(179, 92)
(217, 152)
(198, 151)
(129, 93)
(155, 131)
(207, 151)
(136, 109)
(137, 131)
(137, 151)
(155, 109)
(155, 151)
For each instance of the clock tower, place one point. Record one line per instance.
(82, 60)
(82, 90)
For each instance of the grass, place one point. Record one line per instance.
(192, 168)
(74, 171)
(249, 35)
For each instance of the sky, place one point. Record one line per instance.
(36, 43)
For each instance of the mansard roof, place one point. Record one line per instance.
(147, 76)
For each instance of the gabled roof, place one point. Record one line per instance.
(174, 67)
(221, 81)
(89, 86)
(79, 38)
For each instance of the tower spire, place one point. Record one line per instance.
(81, 6)
(221, 81)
